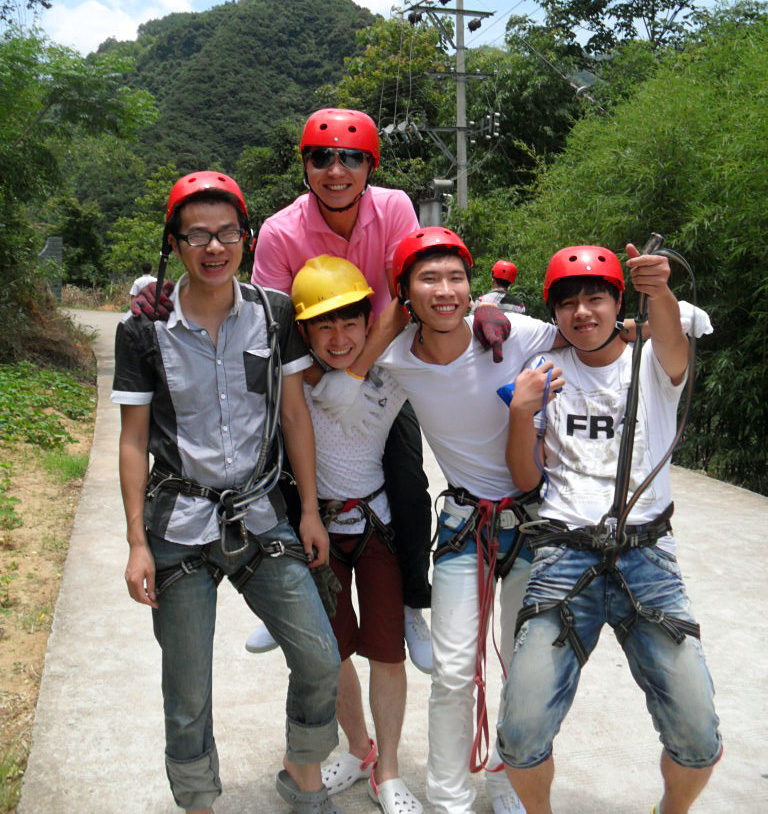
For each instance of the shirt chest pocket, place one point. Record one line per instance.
(256, 365)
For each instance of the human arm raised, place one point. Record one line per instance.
(650, 276)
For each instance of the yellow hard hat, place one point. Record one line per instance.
(325, 283)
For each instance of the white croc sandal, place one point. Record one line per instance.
(394, 797)
(347, 770)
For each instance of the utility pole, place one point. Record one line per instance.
(428, 7)
(462, 198)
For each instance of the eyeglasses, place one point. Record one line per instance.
(203, 238)
(324, 157)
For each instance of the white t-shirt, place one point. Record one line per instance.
(584, 431)
(464, 420)
(349, 464)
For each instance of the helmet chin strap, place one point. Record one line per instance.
(415, 320)
(618, 329)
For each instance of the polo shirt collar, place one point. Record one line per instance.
(316, 221)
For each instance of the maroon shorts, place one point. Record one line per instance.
(379, 635)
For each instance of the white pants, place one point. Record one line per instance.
(455, 615)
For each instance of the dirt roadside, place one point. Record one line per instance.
(32, 557)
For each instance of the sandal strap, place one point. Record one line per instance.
(370, 758)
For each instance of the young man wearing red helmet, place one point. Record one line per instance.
(344, 216)
(201, 393)
(451, 382)
(582, 577)
(503, 275)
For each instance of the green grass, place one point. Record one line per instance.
(63, 466)
(12, 765)
(9, 517)
(33, 402)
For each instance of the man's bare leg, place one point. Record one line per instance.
(349, 710)
(682, 785)
(387, 691)
(533, 786)
(306, 775)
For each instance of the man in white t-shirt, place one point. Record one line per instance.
(585, 573)
(451, 383)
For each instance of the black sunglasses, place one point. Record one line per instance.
(324, 157)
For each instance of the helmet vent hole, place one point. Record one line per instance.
(601, 258)
(323, 126)
(352, 128)
(572, 258)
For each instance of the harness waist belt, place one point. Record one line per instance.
(160, 479)
(505, 519)
(598, 538)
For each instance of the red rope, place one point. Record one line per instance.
(486, 583)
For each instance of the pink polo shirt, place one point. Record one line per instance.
(297, 233)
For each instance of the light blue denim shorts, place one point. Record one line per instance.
(543, 678)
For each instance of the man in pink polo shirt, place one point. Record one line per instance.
(343, 216)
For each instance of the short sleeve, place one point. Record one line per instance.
(270, 260)
(134, 379)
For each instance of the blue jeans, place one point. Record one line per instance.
(283, 594)
(674, 677)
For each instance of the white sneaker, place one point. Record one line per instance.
(418, 639)
(507, 804)
(260, 641)
(502, 795)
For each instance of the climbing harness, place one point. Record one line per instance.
(232, 504)
(165, 577)
(330, 510)
(612, 536)
(484, 519)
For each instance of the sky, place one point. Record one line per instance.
(84, 24)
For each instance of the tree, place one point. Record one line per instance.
(81, 227)
(271, 177)
(533, 90)
(50, 94)
(137, 238)
(10, 10)
(613, 21)
(393, 80)
(684, 156)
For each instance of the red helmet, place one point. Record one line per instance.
(431, 237)
(331, 127)
(502, 270)
(584, 261)
(200, 182)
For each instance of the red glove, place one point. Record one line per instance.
(491, 328)
(144, 302)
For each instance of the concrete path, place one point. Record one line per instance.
(98, 736)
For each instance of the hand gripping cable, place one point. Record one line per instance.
(622, 506)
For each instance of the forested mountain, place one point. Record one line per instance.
(223, 78)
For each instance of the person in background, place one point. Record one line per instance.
(503, 275)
